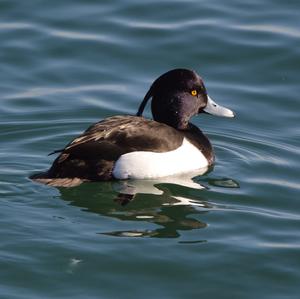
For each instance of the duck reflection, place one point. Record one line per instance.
(173, 204)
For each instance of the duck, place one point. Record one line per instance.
(126, 147)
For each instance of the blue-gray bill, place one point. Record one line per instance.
(215, 109)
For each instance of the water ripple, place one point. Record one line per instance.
(43, 91)
(15, 26)
(265, 28)
(67, 64)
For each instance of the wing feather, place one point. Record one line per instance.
(92, 154)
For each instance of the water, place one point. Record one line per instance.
(65, 65)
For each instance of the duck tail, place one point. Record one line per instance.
(41, 175)
(45, 178)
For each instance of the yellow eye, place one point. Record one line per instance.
(194, 92)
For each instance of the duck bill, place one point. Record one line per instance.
(215, 109)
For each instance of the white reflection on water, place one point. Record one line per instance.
(279, 245)
(72, 265)
(43, 91)
(133, 187)
(15, 26)
(79, 35)
(271, 28)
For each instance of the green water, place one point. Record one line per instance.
(67, 64)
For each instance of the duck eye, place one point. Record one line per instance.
(194, 92)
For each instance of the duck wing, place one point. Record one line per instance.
(91, 156)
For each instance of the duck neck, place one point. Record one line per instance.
(171, 112)
(172, 120)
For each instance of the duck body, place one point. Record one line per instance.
(132, 147)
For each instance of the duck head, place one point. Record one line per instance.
(177, 96)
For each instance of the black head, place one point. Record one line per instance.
(176, 96)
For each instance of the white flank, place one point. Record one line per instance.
(149, 165)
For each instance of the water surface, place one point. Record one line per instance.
(65, 65)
